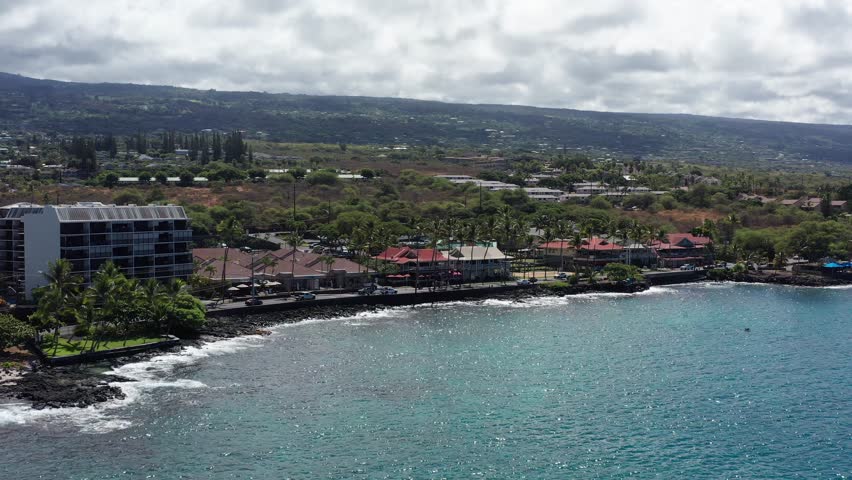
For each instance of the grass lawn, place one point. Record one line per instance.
(68, 347)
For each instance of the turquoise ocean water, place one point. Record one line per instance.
(663, 384)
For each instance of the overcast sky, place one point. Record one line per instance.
(771, 59)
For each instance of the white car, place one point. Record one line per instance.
(385, 291)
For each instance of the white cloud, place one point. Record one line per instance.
(778, 59)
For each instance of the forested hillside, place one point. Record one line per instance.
(46, 105)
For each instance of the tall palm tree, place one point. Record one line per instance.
(561, 230)
(451, 227)
(152, 294)
(171, 291)
(577, 241)
(470, 234)
(547, 237)
(520, 233)
(419, 230)
(59, 298)
(489, 229)
(99, 297)
(435, 228)
(294, 239)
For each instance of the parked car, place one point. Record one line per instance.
(254, 301)
(533, 280)
(524, 282)
(385, 291)
(687, 266)
(561, 276)
(306, 296)
(368, 290)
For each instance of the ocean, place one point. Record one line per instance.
(666, 383)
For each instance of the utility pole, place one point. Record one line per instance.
(224, 266)
(253, 291)
(294, 203)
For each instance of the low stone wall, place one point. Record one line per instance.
(167, 342)
(674, 277)
(400, 299)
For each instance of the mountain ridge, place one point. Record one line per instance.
(93, 108)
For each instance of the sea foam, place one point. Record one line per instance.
(146, 376)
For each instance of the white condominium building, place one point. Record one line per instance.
(143, 241)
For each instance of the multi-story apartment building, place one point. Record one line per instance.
(143, 241)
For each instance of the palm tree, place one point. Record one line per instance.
(59, 298)
(152, 294)
(172, 290)
(380, 238)
(470, 234)
(451, 227)
(435, 227)
(99, 297)
(419, 229)
(660, 235)
(561, 230)
(577, 241)
(489, 228)
(547, 237)
(520, 233)
(230, 230)
(294, 239)
(587, 230)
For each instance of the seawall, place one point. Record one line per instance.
(401, 299)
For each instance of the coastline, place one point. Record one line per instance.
(85, 385)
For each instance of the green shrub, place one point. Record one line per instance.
(188, 314)
(322, 177)
(13, 331)
(619, 272)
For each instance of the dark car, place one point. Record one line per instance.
(533, 280)
(254, 301)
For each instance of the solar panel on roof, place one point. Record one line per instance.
(114, 212)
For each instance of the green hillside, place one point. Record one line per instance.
(46, 105)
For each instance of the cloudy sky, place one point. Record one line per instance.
(771, 59)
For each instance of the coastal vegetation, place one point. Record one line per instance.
(112, 311)
(401, 197)
(13, 331)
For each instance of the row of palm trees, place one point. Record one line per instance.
(507, 229)
(112, 304)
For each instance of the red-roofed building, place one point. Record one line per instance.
(409, 259)
(557, 253)
(598, 251)
(684, 248)
(295, 270)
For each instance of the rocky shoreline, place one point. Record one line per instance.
(82, 386)
(784, 278)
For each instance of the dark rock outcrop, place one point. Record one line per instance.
(56, 388)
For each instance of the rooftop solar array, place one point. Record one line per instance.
(18, 210)
(100, 212)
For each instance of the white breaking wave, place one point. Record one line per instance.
(147, 375)
(549, 301)
(358, 319)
